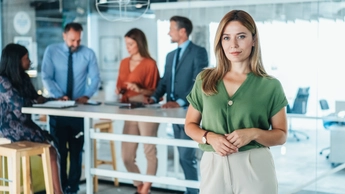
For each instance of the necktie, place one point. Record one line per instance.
(69, 91)
(177, 58)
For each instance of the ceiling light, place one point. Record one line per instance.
(122, 10)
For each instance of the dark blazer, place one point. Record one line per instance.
(193, 60)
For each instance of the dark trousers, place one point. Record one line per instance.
(64, 130)
(187, 158)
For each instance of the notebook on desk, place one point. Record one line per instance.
(56, 104)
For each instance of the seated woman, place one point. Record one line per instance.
(17, 91)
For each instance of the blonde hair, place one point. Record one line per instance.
(211, 76)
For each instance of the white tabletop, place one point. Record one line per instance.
(175, 115)
(151, 114)
(303, 116)
(331, 117)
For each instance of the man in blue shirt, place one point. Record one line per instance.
(70, 72)
(181, 68)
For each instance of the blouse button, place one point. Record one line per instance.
(230, 102)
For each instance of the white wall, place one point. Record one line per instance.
(100, 27)
(105, 28)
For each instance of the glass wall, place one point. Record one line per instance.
(301, 44)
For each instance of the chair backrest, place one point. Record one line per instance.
(324, 104)
(301, 101)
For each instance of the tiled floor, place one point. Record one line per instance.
(297, 162)
(107, 187)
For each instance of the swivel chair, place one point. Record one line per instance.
(326, 125)
(299, 107)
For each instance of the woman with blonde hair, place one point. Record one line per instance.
(236, 112)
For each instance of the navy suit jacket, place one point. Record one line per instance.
(193, 60)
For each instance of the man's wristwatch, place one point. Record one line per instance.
(204, 140)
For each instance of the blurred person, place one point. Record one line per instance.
(181, 68)
(236, 112)
(138, 79)
(17, 91)
(70, 72)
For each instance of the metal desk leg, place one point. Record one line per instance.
(88, 155)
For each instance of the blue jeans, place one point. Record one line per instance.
(64, 131)
(187, 158)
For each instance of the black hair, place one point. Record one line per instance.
(183, 22)
(11, 68)
(73, 25)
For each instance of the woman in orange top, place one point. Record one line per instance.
(138, 79)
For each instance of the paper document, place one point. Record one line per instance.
(56, 104)
(93, 102)
(153, 105)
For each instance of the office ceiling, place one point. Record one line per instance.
(262, 9)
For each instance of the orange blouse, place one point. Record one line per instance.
(145, 75)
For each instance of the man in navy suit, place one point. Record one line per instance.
(181, 68)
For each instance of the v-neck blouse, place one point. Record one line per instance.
(145, 74)
(254, 103)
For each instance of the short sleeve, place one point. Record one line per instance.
(122, 74)
(278, 99)
(196, 94)
(152, 76)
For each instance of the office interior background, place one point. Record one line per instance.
(302, 45)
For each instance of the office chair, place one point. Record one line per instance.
(326, 125)
(299, 107)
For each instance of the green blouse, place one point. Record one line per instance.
(255, 102)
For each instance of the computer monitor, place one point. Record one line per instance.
(339, 106)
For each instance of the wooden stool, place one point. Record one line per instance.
(23, 150)
(3, 179)
(104, 126)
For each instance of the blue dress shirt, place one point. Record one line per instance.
(86, 77)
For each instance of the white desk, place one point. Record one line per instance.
(303, 116)
(332, 117)
(337, 139)
(337, 147)
(329, 118)
(174, 116)
(291, 116)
